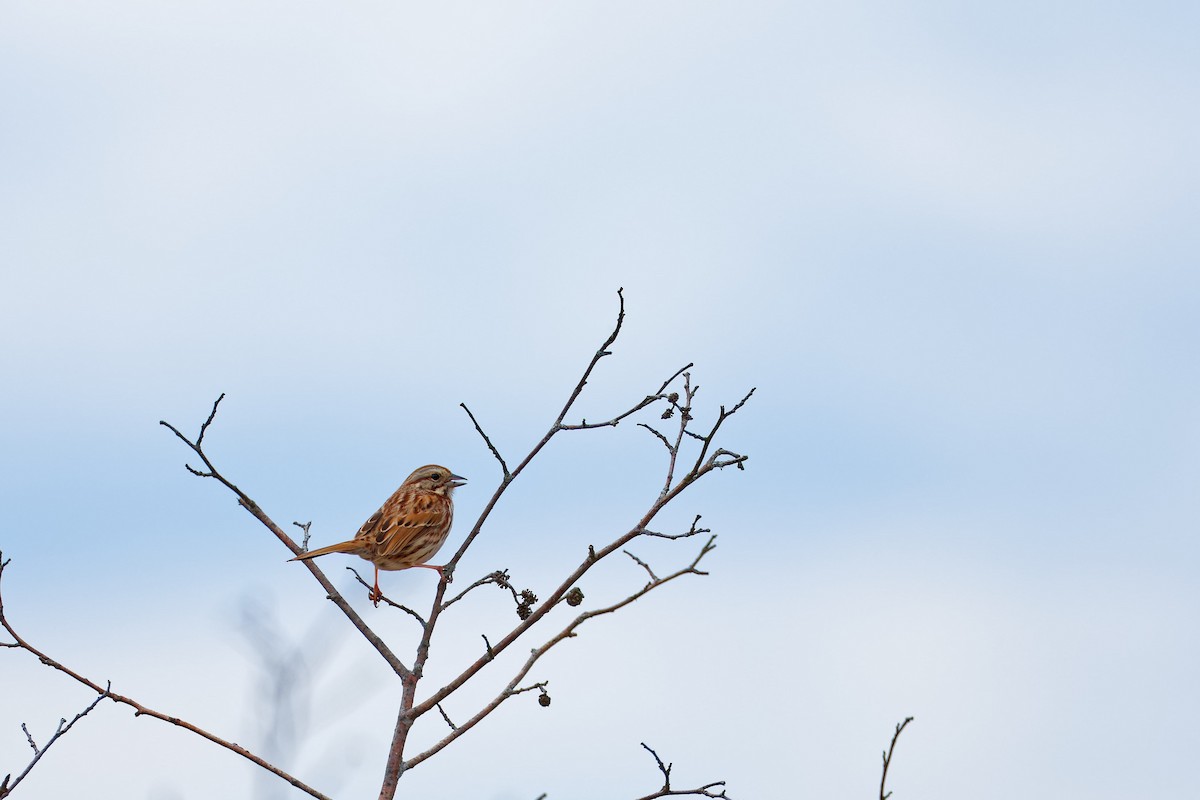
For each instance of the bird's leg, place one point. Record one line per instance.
(439, 570)
(376, 595)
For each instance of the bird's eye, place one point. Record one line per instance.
(437, 476)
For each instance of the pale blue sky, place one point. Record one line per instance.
(954, 247)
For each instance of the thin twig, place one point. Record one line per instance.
(661, 438)
(707, 790)
(685, 418)
(420, 620)
(492, 447)
(642, 564)
(649, 399)
(724, 415)
(304, 527)
(499, 577)
(692, 531)
(887, 757)
(6, 788)
(442, 711)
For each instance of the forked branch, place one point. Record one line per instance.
(707, 790)
(6, 788)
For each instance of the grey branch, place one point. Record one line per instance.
(692, 531)
(643, 565)
(305, 526)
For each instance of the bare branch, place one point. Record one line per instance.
(661, 438)
(511, 475)
(142, 710)
(420, 620)
(593, 557)
(540, 685)
(569, 632)
(887, 757)
(6, 788)
(724, 415)
(692, 531)
(707, 790)
(256, 511)
(442, 711)
(499, 577)
(685, 418)
(584, 425)
(665, 769)
(642, 564)
(492, 447)
(304, 527)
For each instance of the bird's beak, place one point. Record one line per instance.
(457, 480)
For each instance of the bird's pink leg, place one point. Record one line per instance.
(439, 570)
(376, 595)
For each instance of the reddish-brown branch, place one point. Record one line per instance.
(142, 710)
(256, 511)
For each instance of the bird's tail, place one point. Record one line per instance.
(352, 546)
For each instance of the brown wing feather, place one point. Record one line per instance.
(410, 528)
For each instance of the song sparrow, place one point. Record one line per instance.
(408, 529)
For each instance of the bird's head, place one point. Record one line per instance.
(432, 478)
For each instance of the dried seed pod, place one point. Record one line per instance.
(575, 596)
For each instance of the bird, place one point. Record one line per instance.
(408, 529)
